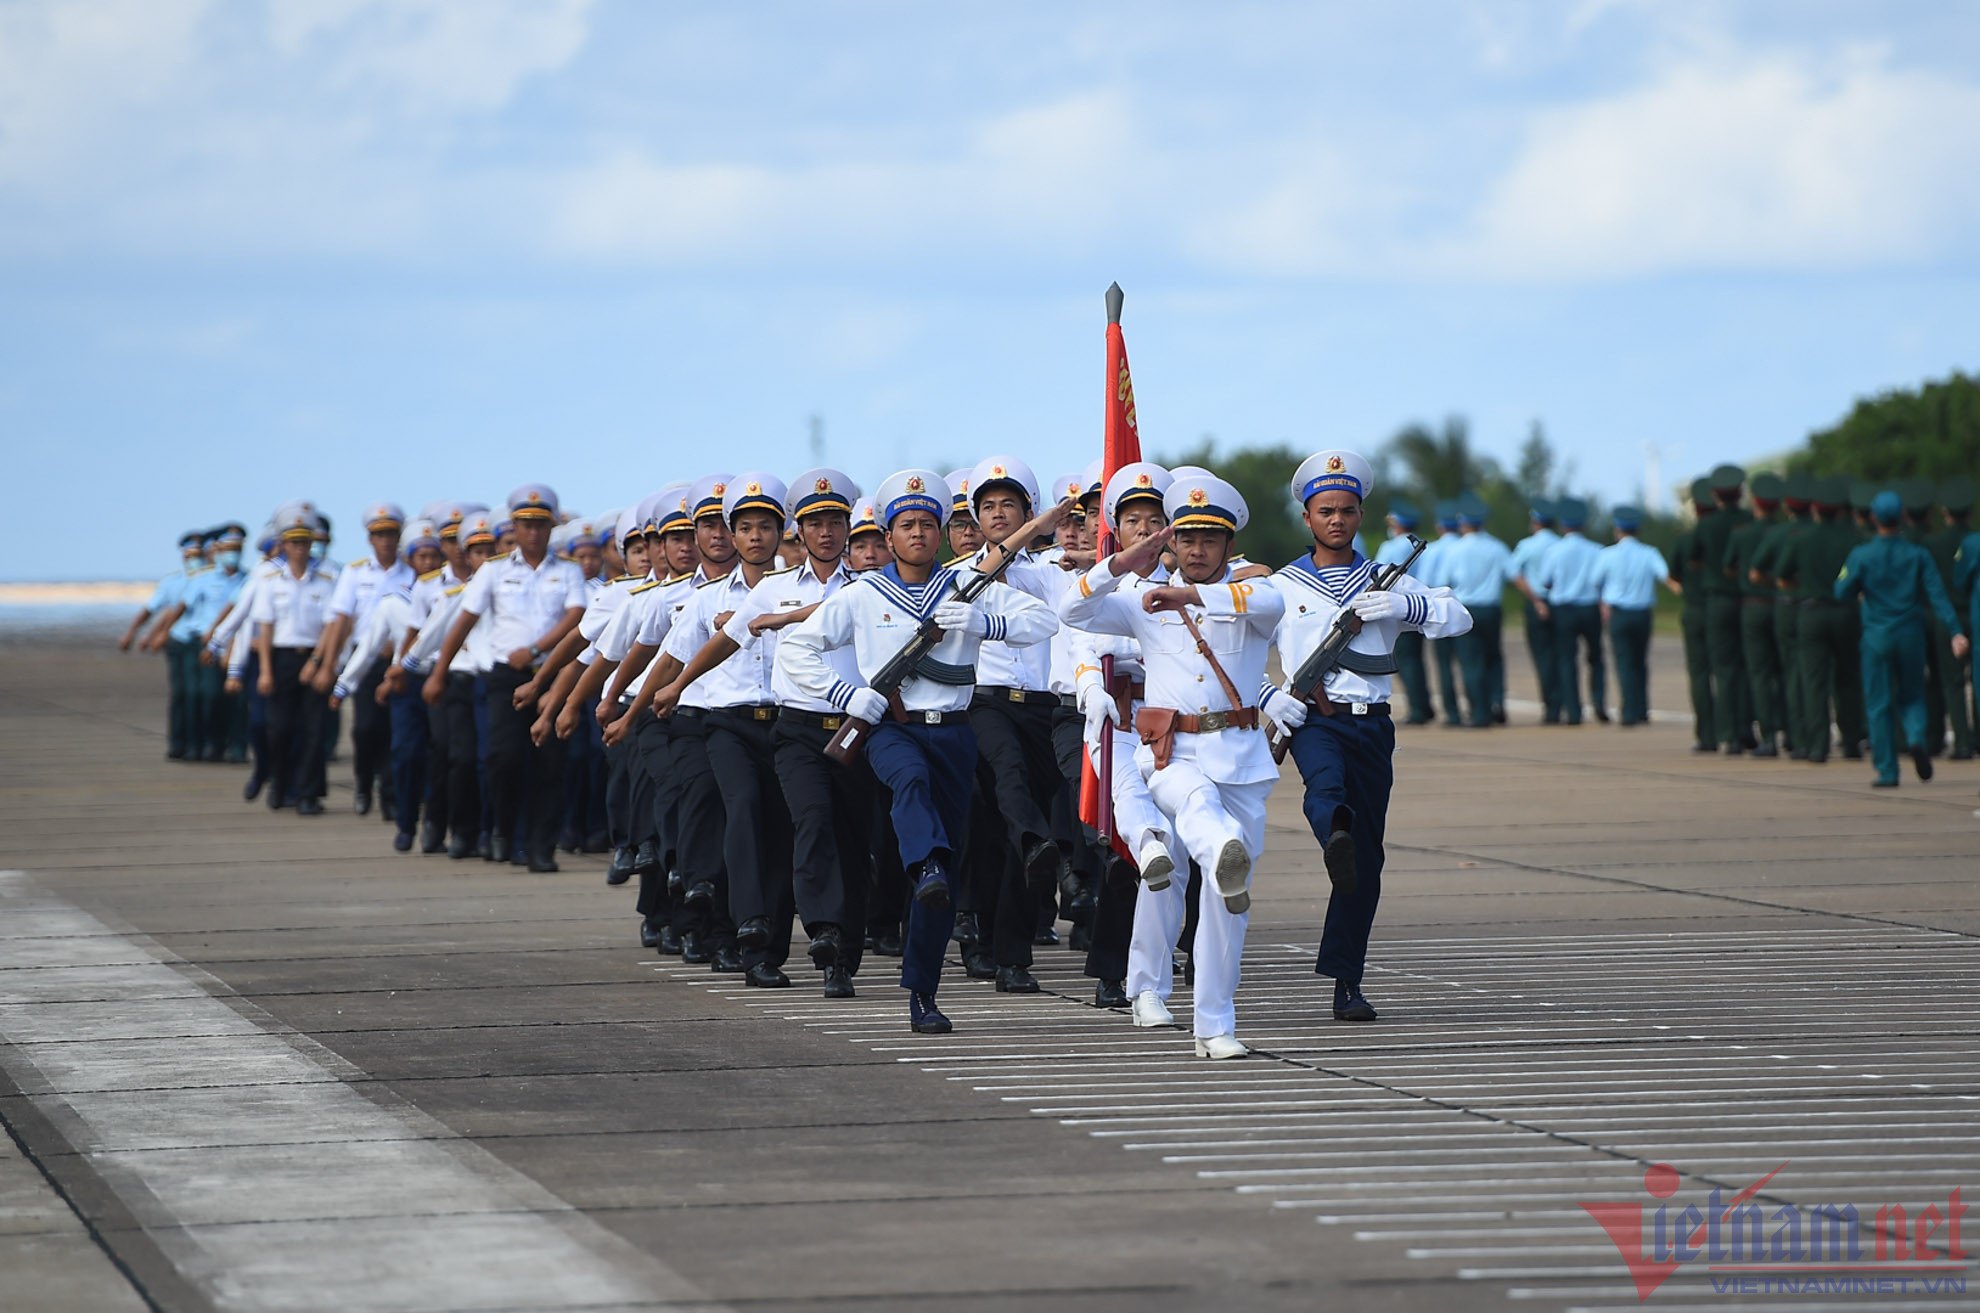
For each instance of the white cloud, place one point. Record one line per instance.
(1767, 163)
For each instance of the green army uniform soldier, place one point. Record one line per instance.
(1919, 497)
(1827, 630)
(1756, 611)
(1897, 583)
(1689, 571)
(1732, 698)
(1955, 498)
(1797, 517)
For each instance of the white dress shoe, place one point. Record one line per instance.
(1232, 874)
(1220, 1046)
(1156, 864)
(1150, 1011)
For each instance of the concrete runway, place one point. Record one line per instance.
(254, 1061)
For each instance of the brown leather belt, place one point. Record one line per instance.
(1127, 692)
(1212, 721)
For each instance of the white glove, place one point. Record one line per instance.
(1377, 606)
(1099, 710)
(962, 617)
(867, 705)
(1286, 711)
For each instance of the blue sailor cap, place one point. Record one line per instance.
(913, 490)
(1332, 471)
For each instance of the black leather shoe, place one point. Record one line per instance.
(567, 840)
(826, 944)
(460, 849)
(646, 859)
(1766, 750)
(1046, 936)
(1339, 856)
(620, 869)
(978, 965)
(924, 1018)
(1080, 939)
(765, 976)
(966, 931)
(276, 802)
(1498, 715)
(310, 807)
(888, 943)
(362, 803)
(543, 865)
(1110, 994)
(252, 789)
(727, 961)
(753, 933)
(1602, 714)
(1960, 754)
(670, 941)
(1798, 754)
(401, 841)
(1817, 758)
(1704, 747)
(432, 839)
(702, 891)
(1016, 980)
(1921, 761)
(1853, 751)
(838, 982)
(676, 885)
(1349, 1005)
(518, 855)
(694, 948)
(931, 890)
(650, 932)
(498, 848)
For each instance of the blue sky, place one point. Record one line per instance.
(260, 249)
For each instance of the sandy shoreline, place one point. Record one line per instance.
(101, 593)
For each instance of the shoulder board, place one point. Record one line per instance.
(625, 578)
(433, 574)
(771, 574)
(651, 583)
(676, 578)
(722, 579)
(456, 590)
(357, 564)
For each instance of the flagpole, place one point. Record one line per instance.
(1104, 547)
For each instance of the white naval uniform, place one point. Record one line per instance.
(360, 585)
(790, 590)
(383, 625)
(295, 610)
(742, 679)
(1215, 786)
(877, 614)
(233, 637)
(1005, 665)
(1314, 597)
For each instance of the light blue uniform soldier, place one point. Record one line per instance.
(1627, 572)
(1566, 577)
(167, 595)
(1896, 581)
(1431, 570)
(1403, 519)
(1477, 569)
(1540, 645)
(208, 594)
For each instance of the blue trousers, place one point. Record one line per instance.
(1893, 662)
(930, 770)
(1348, 763)
(411, 729)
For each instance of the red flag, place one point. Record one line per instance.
(1120, 445)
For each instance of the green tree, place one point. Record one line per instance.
(1930, 432)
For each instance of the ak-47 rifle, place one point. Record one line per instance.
(1326, 658)
(845, 744)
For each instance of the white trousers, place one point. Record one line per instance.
(1203, 816)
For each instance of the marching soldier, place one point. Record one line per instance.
(1402, 522)
(456, 803)
(1896, 581)
(1827, 630)
(1627, 573)
(1732, 695)
(1343, 741)
(167, 595)
(1477, 570)
(925, 755)
(1955, 498)
(1571, 599)
(291, 609)
(1687, 570)
(1431, 569)
(1796, 519)
(1540, 641)
(1761, 659)
(530, 600)
(359, 586)
(1204, 639)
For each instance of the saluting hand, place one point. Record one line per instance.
(1143, 555)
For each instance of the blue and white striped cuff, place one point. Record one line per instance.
(1416, 610)
(997, 626)
(840, 694)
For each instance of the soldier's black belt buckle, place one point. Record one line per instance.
(763, 713)
(1017, 694)
(830, 722)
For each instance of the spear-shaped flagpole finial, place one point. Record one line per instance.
(1114, 298)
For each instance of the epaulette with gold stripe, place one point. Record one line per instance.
(772, 574)
(433, 574)
(651, 583)
(357, 564)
